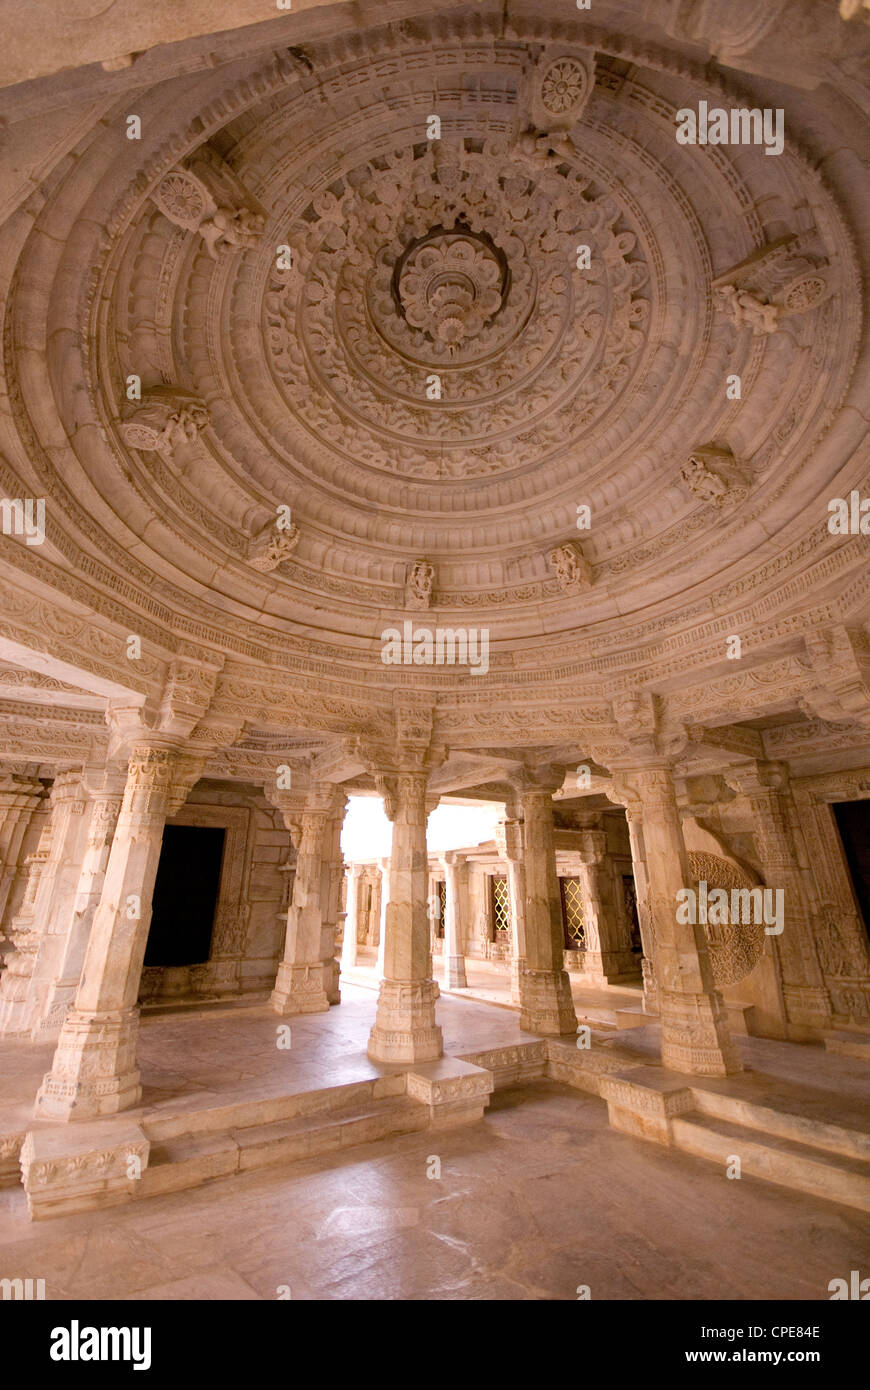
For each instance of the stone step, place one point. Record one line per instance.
(831, 1176)
(186, 1161)
(242, 1114)
(849, 1042)
(782, 1123)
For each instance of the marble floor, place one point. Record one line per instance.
(195, 1058)
(489, 982)
(537, 1200)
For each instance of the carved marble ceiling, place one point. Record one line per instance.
(396, 338)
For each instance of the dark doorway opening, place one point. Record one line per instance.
(185, 895)
(853, 823)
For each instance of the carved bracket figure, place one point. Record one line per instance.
(711, 474)
(271, 546)
(571, 568)
(187, 201)
(164, 421)
(772, 284)
(418, 584)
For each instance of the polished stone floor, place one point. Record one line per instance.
(197, 1058)
(488, 981)
(539, 1198)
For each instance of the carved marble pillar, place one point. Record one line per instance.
(15, 980)
(804, 993)
(634, 817)
(106, 792)
(434, 902)
(351, 920)
(333, 869)
(384, 867)
(607, 955)
(373, 922)
(20, 795)
(94, 1071)
(405, 1029)
(695, 1035)
(456, 874)
(304, 980)
(56, 891)
(546, 1005)
(510, 842)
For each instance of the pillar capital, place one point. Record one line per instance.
(160, 777)
(453, 859)
(758, 778)
(649, 784)
(593, 846)
(540, 780)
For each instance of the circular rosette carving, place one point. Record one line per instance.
(564, 86)
(460, 262)
(736, 948)
(450, 286)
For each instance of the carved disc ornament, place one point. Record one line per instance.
(450, 286)
(462, 262)
(564, 86)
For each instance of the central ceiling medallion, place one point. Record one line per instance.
(450, 285)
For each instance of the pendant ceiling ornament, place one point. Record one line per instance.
(461, 261)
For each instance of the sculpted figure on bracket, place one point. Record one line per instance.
(418, 586)
(746, 311)
(185, 200)
(571, 568)
(163, 422)
(271, 546)
(710, 473)
(789, 276)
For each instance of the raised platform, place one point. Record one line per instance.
(228, 1091)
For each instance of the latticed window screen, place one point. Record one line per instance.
(501, 908)
(442, 903)
(572, 914)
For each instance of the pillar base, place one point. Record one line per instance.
(518, 965)
(808, 1007)
(454, 973)
(94, 1070)
(302, 989)
(333, 990)
(405, 1029)
(546, 1005)
(695, 1036)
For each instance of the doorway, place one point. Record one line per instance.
(185, 896)
(853, 823)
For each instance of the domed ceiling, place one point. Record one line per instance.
(444, 292)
